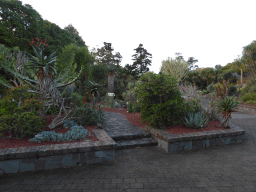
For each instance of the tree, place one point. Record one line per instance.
(142, 59)
(19, 23)
(112, 61)
(191, 61)
(75, 35)
(177, 68)
(217, 71)
(249, 58)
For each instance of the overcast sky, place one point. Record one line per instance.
(213, 32)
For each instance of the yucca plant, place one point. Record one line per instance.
(195, 120)
(225, 106)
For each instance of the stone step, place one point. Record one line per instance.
(130, 136)
(143, 142)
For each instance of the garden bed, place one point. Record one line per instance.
(179, 138)
(22, 155)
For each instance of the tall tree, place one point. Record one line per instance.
(142, 59)
(75, 35)
(22, 21)
(249, 58)
(112, 61)
(191, 61)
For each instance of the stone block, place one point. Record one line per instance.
(70, 160)
(83, 158)
(27, 164)
(173, 147)
(206, 143)
(227, 140)
(10, 166)
(217, 142)
(49, 162)
(237, 138)
(187, 145)
(197, 144)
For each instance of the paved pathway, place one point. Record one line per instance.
(228, 168)
(117, 126)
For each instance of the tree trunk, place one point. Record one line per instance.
(111, 79)
(242, 77)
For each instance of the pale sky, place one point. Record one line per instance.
(213, 32)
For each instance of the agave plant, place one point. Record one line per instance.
(225, 106)
(196, 120)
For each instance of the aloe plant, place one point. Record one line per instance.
(225, 106)
(196, 120)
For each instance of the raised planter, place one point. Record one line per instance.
(35, 158)
(191, 141)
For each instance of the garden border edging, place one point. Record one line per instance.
(23, 159)
(190, 141)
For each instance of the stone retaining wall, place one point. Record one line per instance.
(191, 141)
(35, 158)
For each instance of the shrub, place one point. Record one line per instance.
(19, 112)
(204, 92)
(192, 105)
(252, 89)
(232, 91)
(251, 102)
(160, 100)
(84, 115)
(21, 125)
(248, 96)
(210, 88)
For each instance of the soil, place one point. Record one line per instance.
(133, 118)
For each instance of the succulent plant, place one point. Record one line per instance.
(75, 133)
(196, 120)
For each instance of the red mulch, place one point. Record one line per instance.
(14, 143)
(134, 118)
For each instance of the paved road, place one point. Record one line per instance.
(228, 168)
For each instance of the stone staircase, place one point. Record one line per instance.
(124, 133)
(135, 140)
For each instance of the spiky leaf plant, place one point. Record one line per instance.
(225, 106)
(196, 120)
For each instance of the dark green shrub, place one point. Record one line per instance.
(53, 110)
(160, 100)
(232, 91)
(130, 105)
(252, 89)
(19, 111)
(248, 96)
(84, 115)
(21, 125)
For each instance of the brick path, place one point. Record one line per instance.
(228, 168)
